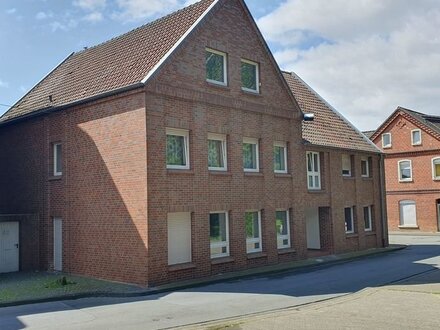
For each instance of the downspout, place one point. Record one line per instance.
(383, 204)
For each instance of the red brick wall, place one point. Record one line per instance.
(422, 189)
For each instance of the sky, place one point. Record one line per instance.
(365, 57)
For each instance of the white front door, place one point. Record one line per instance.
(438, 215)
(57, 244)
(9, 248)
(408, 216)
(312, 229)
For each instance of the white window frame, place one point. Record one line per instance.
(222, 138)
(367, 162)
(412, 137)
(349, 163)
(370, 219)
(410, 169)
(284, 146)
(257, 77)
(383, 142)
(257, 239)
(352, 220)
(257, 158)
(283, 237)
(55, 159)
(312, 172)
(433, 160)
(225, 67)
(185, 134)
(221, 244)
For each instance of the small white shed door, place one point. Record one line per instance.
(9, 248)
(179, 238)
(408, 217)
(312, 229)
(57, 244)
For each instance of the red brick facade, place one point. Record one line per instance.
(115, 191)
(422, 188)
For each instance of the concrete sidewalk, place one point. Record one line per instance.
(410, 304)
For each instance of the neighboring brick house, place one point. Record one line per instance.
(175, 151)
(411, 142)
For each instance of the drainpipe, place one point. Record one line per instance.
(383, 204)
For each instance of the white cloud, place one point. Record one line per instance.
(364, 57)
(90, 4)
(11, 11)
(134, 10)
(94, 17)
(43, 15)
(3, 84)
(63, 26)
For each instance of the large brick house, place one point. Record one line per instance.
(411, 142)
(178, 150)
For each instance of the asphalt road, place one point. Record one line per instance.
(231, 298)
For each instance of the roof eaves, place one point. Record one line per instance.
(338, 113)
(178, 43)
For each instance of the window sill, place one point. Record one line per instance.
(406, 181)
(176, 171)
(408, 227)
(316, 191)
(348, 177)
(367, 178)
(250, 92)
(282, 175)
(351, 235)
(218, 85)
(286, 250)
(253, 173)
(175, 268)
(221, 260)
(224, 173)
(55, 177)
(370, 233)
(255, 255)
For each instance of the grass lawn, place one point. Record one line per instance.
(24, 286)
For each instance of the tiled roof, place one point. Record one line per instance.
(120, 62)
(430, 123)
(368, 134)
(329, 128)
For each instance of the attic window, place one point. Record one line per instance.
(386, 140)
(216, 67)
(249, 76)
(416, 137)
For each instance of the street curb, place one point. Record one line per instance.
(315, 263)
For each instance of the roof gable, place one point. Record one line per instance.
(120, 62)
(329, 128)
(429, 123)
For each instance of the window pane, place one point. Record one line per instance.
(252, 225)
(217, 227)
(176, 150)
(436, 163)
(215, 153)
(278, 158)
(416, 137)
(405, 170)
(346, 165)
(309, 162)
(249, 155)
(281, 222)
(249, 76)
(315, 162)
(58, 158)
(367, 217)
(214, 67)
(386, 139)
(348, 219)
(364, 170)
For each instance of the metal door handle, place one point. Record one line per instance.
(16, 245)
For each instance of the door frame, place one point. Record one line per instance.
(57, 246)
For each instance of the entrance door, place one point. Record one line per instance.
(312, 229)
(438, 214)
(408, 216)
(9, 248)
(57, 244)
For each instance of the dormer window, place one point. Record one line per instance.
(386, 140)
(416, 137)
(216, 67)
(249, 76)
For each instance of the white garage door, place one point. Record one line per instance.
(408, 217)
(9, 248)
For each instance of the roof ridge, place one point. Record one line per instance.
(143, 26)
